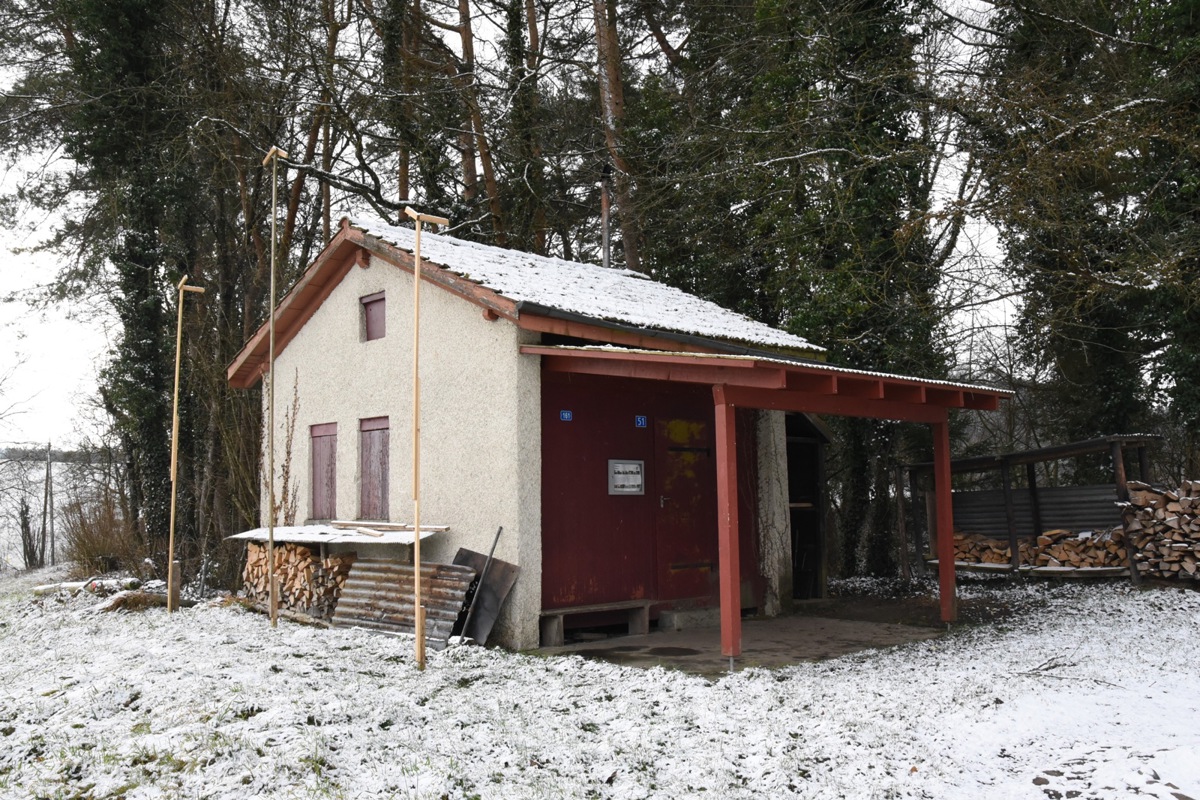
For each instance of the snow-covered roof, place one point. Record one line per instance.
(614, 295)
(329, 534)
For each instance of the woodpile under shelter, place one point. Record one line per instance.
(631, 439)
(1013, 513)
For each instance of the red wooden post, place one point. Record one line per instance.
(727, 525)
(945, 520)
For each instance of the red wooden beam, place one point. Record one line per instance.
(948, 398)
(869, 388)
(904, 392)
(650, 368)
(820, 383)
(618, 354)
(780, 400)
(727, 524)
(981, 402)
(947, 591)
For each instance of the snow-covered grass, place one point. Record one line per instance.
(1093, 694)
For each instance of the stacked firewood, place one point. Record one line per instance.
(1165, 529)
(1056, 548)
(308, 584)
(975, 548)
(1062, 548)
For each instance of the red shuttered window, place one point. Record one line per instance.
(374, 316)
(324, 470)
(373, 468)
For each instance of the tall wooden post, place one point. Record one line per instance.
(947, 590)
(418, 608)
(273, 155)
(173, 578)
(727, 526)
(1122, 486)
(48, 508)
(1010, 516)
(1119, 478)
(1035, 503)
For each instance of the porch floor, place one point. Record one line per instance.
(775, 642)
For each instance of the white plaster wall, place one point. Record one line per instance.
(774, 528)
(480, 428)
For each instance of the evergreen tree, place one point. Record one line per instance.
(123, 137)
(1081, 127)
(1170, 195)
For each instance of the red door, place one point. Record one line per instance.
(685, 521)
(597, 547)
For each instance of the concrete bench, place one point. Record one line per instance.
(638, 617)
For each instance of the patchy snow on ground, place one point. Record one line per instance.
(1092, 695)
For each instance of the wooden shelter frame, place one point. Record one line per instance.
(802, 387)
(1113, 446)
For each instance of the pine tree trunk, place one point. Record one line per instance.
(612, 116)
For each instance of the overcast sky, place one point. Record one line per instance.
(49, 359)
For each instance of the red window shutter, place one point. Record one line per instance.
(324, 470)
(373, 468)
(374, 316)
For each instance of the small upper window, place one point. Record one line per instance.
(374, 316)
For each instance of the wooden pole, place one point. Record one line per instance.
(173, 578)
(1035, 504)
(728, 554)
(947, 589)
(273, 156)
(418, 609)
(47, 511)
(1122, 486)
(1144, 465)
(1010, 517)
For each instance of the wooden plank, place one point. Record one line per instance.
(637, 618)
(1080, 572)
(596, 608)
(971, 566)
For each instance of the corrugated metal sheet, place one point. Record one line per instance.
(1075, 508)
(379, 595)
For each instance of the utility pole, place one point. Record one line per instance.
(273, 156)
(173, 577)
(50, 494)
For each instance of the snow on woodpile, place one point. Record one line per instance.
(616, 295)
(1090, 695)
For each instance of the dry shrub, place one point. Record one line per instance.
(99, 539)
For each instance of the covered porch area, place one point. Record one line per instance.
(759, 381)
